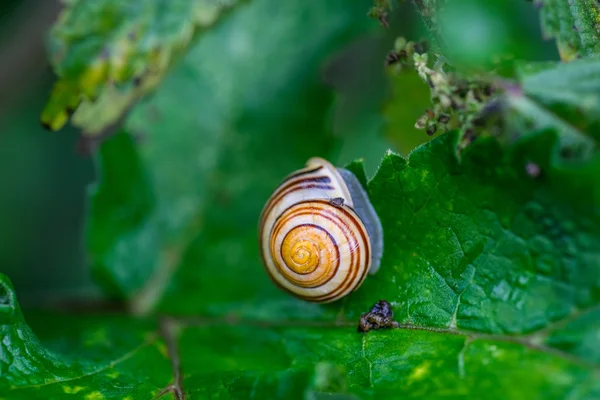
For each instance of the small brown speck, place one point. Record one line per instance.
(337, 202)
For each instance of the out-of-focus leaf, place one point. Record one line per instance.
(574, 84)
(561, 97)
(490, 262)
(489, 34)
(246, 103)
(579, 336)
(575, 24)
(43, 194)
(78, 358)
(118, 232)
(409, 99)
(109, 53)
(357, 76)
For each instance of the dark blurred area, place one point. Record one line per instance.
(43, 178)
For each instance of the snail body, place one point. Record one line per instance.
(319, 234)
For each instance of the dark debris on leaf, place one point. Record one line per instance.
(380, 317)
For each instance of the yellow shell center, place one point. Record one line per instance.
(303, 258)
(300, 250)
(306, 255)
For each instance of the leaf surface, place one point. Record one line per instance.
(574, 24)
(564, 97)
(490, 262)
(109, 53)
(213, 142)
(92, 358)
(301, 362)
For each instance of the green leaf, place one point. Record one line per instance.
(401, 114)
(490, 271)
(78, 357)
(491, 260)
(476, 244)
(358, 169)
(206, 146)
(360, 86)
(579, 336)
(481, 34)
(109, 53)
(574, 24)
(275, 362)
(562, 97)
(120, 205)
(574, 84)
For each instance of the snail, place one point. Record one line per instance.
(319, 234)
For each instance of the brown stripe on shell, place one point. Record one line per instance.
(309, 211)
(291, 180)
(342, 288)
(283, 186)
(338, 292)
(302, 172)
(316, 179)
(319, 283)
(316, 227)
(277, 196)
(354, 255)
(354, 266)
(306, 211)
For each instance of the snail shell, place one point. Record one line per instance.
(319, 234)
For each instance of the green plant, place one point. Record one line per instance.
(491, 260)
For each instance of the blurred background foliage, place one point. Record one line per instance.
(45, 176)
(155, 206)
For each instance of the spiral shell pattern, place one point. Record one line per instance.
(314, 249)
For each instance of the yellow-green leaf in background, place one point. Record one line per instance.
(107, 54)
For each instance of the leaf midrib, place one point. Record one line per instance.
(531, 340)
